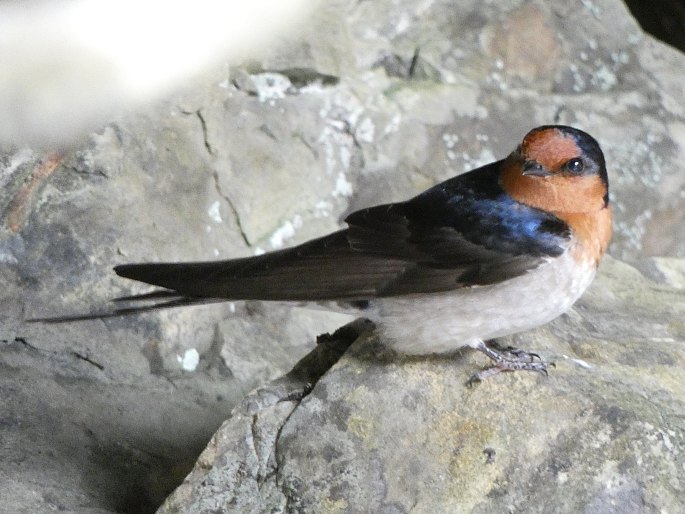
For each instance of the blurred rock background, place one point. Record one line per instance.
(358, 103)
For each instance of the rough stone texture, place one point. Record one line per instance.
(369, 102)
(605, 432)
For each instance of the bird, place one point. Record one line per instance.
(498, 250)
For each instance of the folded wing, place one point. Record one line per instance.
(460, 233)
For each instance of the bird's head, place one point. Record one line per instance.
(559, 169)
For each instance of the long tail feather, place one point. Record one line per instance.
(153, 295)
(177, 301)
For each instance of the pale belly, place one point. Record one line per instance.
(442, 322)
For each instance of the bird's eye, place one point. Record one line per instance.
(575, 165)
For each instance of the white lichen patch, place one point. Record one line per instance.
(603, 78)
(343, 187)
(285, 231)
(189, 360)
(484, 157)
(393, 125)
(214, 212)
(271, 86)
(450, 140)
(323, 209)
(365, 131)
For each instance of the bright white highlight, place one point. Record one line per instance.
(189, 360)
(68, 64)
(214, 212)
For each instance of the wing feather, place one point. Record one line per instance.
(463, 232)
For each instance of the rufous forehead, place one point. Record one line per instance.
(549, 147)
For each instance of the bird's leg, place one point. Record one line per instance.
(507, 359)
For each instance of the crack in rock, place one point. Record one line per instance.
(203, 124)
(233, 209)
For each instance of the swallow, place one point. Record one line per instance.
(495, 251)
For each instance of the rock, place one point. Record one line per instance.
(252, 434)
(385, 433)
(371, 102)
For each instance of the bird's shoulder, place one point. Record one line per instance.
(465, 213)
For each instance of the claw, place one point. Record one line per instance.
(518, 352)
(508, 359)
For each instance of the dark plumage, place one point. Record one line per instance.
(462, 232)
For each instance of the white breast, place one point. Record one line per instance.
(442, 322)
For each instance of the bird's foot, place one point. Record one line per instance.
(508, 359)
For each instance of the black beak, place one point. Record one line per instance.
(534, 169)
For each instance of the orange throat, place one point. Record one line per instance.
(592, 231)
(578, 201)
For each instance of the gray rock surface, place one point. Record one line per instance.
(371, 102)
(605, 432)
